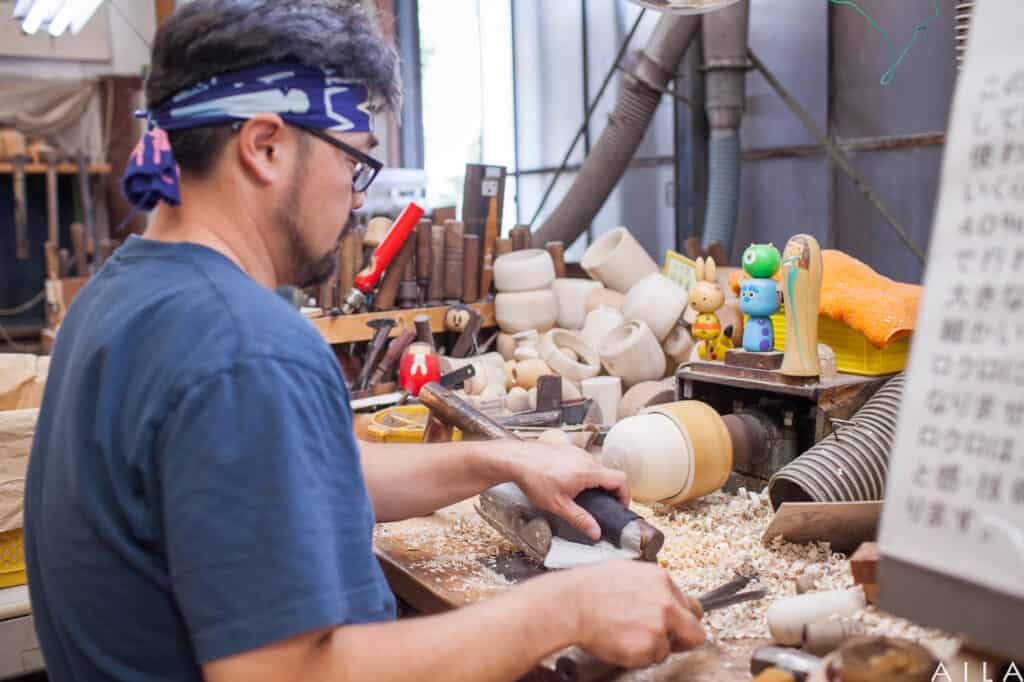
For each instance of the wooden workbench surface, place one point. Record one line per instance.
(453, 558)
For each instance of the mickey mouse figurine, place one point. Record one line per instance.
(759, 297)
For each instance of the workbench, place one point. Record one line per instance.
(19, 647)
(452, 558)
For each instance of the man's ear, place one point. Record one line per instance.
(262, 146)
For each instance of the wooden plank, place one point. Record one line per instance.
(844, 524)
(62, 168)
(434, 576)
(349, 328)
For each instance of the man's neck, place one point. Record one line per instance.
(219, 218)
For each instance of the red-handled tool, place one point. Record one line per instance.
(381, 257)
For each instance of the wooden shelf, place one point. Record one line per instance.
(62, 168)
(349, 328)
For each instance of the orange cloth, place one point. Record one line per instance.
(881, 309)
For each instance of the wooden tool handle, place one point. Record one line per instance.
(52, 211)
(453, 232)
(557, 251)
(393, 275)
(78, 248)
(502, 247)
(20, 210)
(470, 268)
(349, 260)
(423, 252)
(520, 237)
(424, 333)
(490, 237)
(435, 293)
(454, 411)
(397, 346)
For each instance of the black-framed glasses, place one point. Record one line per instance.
(367, 167)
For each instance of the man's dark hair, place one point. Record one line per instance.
(206, 38)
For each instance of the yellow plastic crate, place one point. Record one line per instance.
(854, 353)
(402, 424)
(12, 558)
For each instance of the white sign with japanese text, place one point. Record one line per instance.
(955, 496)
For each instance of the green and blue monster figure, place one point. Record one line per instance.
(759, 296)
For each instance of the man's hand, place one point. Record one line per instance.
(552, 475)
(630, 613)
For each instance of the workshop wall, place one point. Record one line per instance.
(827, 56)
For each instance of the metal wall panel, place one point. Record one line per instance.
(907, 181)
(919, 97)
(780, 198)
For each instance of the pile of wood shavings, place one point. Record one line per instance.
(462, 550)
(710, 540)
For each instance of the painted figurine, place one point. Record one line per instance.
(759, 297)
(706, 296)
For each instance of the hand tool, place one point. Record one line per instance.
(85, 195)
(435, 294)
(490, 242)
(382, 329)
(470, 268)
(467, 339)
(619, 526)
(579, 666)
(408, 289)
(49, 157)
(105, 250)
(520, 237)
(423, 258)
(393, 355)
(381, 258)
(350, 259)
(424, 333)
(15, 145)
(502, 247)
(557, 251)
(457, 377)
(453, 232)
(78, 248)
(388, 291)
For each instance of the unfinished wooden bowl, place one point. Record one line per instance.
(678, 344)
(599, 322)
(787, 617)
(528, 372)
(506, 345)
(526, 345)
(523, 310)
(550, 348)
(525, 270)
(606, 392)
(645, 394)
(517, 400)
(572, 294)
(708, 440)
(617, 259)
(658, 301)
(631, 352)
(609, 298)
(653, 453)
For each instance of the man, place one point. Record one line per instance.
(197, 506)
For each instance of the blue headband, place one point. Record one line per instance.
(302, 95)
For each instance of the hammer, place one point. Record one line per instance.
(619, 525)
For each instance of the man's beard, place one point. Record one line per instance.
(308, 269)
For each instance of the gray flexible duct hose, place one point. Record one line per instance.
(627, 124)
(851, 467)
(723, 188)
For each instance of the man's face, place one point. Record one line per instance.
(317, 204)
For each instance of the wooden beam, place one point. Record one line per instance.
(349, 328)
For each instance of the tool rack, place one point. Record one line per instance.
(351, 328)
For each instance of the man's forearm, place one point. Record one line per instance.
(497, 639)
(416, 479)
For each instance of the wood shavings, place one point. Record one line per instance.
(709, 540)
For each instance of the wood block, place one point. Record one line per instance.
(738, 357)
(864, 564)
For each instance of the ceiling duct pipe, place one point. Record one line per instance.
(654, 66)
(725, 65)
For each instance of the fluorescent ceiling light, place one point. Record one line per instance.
(41, 12)
(73, 14)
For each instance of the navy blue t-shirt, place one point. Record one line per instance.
(194, 489)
